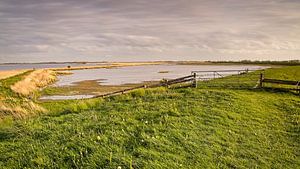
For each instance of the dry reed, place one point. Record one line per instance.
(25, 109)
(33, 81)
(9, 73)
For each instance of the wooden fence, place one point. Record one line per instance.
(193, 78)
(263, 80)
(190, 78)
(216, 74)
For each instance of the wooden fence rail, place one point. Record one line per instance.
(285, 82)
(263, 80)
(190, 78)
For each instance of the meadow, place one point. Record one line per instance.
(202, 127)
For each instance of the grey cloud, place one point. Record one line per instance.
(43, 30)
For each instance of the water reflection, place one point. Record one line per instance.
(138, 74)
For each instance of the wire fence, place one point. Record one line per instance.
(228, 78)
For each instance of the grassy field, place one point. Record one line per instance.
(162, 128)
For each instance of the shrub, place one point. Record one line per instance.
(138, 93)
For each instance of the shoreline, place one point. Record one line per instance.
(4, 74)
(189, 62)
(109, 65)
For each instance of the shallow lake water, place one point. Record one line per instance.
(71, 97)
(138, 74)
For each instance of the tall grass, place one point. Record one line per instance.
(33, 81)
(9, 73)
(13, 104)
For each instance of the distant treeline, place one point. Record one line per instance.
(267, 62)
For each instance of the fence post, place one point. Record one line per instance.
(297, 87)
(195, 79)
(261, 78)
(167, 83)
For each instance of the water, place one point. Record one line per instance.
(14, 66)
(71, 97)
(138, 74)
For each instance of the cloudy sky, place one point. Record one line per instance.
(137, 30)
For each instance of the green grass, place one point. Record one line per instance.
(284, 73)
(161, 128)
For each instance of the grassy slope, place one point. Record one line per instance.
(6, 93)
(178, 128)
(6, 83)
(13, 105)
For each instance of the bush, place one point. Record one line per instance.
(138, 93)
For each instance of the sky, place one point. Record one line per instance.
(148, 30)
